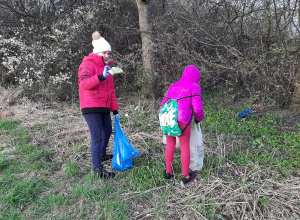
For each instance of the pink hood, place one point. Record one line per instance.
(187, 86)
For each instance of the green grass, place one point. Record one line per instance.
(262, 136)
(8, 125)
(23, 192)
(71, 169)
(100, 195)
(208, 210)
(30, 188)
(145, 174)
(20, 188)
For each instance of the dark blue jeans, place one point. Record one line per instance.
(100, 129)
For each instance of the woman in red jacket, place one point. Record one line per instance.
(97, 100)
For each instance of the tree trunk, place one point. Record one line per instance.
(295, 105)
(144, 7)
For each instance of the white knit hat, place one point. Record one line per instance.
(99, 43)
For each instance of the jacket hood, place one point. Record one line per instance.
(97, 59)
(191, 73)
(94, 58)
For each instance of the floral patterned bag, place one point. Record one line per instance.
(168, 115)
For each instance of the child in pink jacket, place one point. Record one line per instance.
(187, 87)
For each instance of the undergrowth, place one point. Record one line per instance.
(240, 153)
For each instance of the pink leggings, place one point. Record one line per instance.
(184, 142)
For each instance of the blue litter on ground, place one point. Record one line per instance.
(246, 113)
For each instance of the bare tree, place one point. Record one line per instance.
(144, 8)
(296, 95)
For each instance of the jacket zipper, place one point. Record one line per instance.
(107, 94)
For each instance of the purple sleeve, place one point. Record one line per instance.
(197, 104)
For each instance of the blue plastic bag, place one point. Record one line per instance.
(123, 150)
(245, 113)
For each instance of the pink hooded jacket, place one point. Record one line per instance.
(187, 86)
(92, 92)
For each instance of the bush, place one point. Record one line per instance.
(223, 40)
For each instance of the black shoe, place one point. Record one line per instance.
(167, 175)
(107, 157)
(189, 179)
(103, 173)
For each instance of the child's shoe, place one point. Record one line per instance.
(167, 175)
(189, 179)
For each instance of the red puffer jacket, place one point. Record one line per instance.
(92, 92)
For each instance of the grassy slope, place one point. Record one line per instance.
(251, 168)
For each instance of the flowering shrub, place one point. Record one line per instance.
(237, 57)
(44, 57)
(34, 67)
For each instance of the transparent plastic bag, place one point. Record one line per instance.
(123, 151)
(165, 141)
(196, 148)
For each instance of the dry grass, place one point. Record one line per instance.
(238, 192)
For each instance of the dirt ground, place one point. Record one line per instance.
(62, 127)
